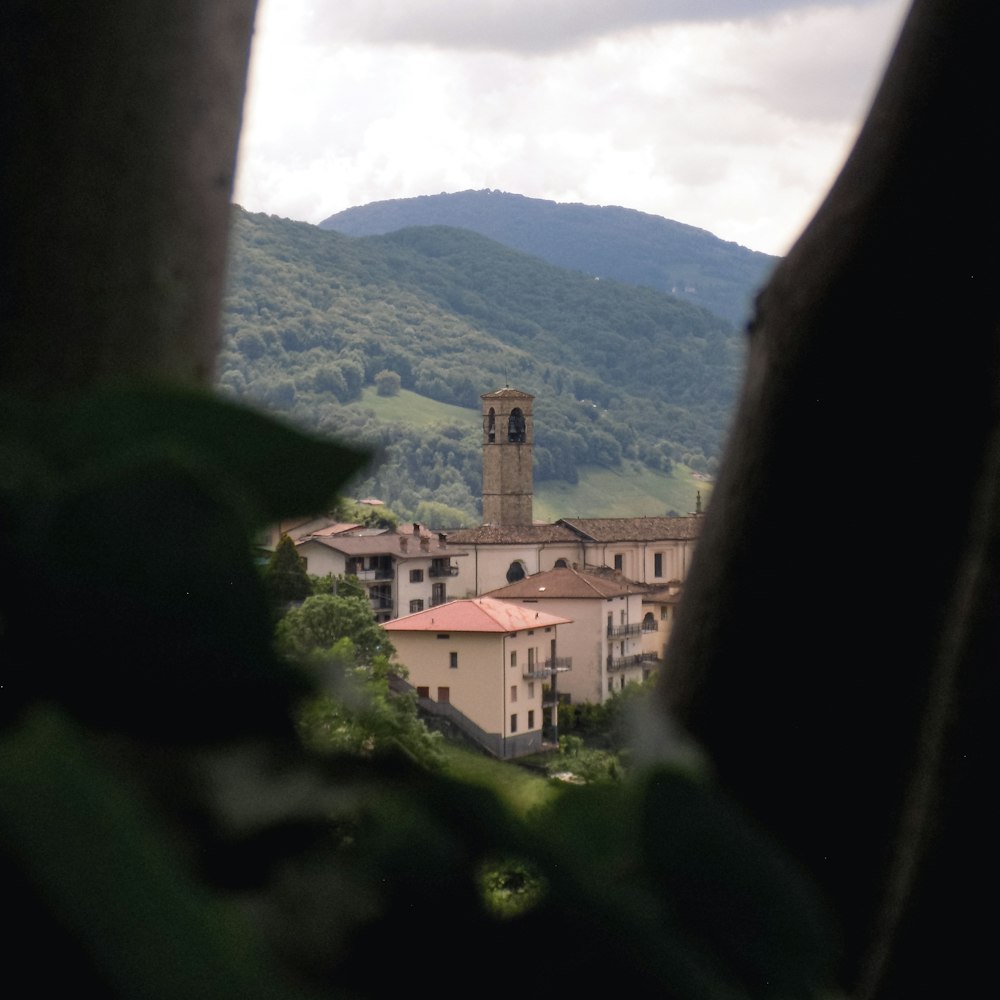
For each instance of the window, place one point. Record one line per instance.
(664, 612)
(611, 686)
(618, 561)
(515, 572)
(531, 718)
(513, 692)
(657, 564)
(453, 660)
(513, 658)
(416, 606)
(417, 576)
(531, 689)
(423, 692)
(513, 723)
(531, 659)
(561, 564)
(437, 594)
(444, 695)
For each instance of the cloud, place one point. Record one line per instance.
(531, 26)
(736, 127)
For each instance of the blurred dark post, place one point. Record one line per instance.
(120, 123)
(836, 648)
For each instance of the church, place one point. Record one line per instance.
(510, 545)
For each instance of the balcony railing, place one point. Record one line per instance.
(621, 662)
(382, 573)
(616, 631)
(545, 668)
(653, 626)
(380, 603)
(443, 571)
(435, 601)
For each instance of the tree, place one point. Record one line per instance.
(388, 383)
(285, 574)
(324, 619)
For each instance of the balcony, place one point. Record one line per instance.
(616, 663)
(653, 626)
(448, 570)
(618, 631)
(382, 573)
(556, 665)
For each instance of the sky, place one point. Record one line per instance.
(734, 116)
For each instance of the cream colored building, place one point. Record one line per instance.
(490, 662)
(605, 637)
(402, 571)
(649, 550)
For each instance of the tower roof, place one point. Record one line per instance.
(507, 393)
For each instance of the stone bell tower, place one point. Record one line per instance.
(508, 437)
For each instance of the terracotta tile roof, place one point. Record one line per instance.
(335, 529)
(566, 583)
(511, 534)
(475, 614)
(634, 529)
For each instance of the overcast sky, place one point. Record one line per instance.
(731, 115)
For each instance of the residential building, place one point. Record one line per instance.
(402, 571)
(490, 665)
(605, 637)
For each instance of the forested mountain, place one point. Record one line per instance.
(600, 241)
(313, 316)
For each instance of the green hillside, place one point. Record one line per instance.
(624, 377)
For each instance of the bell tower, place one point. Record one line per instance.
(508, 436)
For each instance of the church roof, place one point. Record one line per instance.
(476, 614)
(512, 534)
(634, 529)
(566, 583)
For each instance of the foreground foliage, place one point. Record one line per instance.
(165, 833)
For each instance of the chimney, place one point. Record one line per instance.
(416, 528)
(442, 540)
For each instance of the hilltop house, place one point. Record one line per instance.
(486, 664)
(605, 636)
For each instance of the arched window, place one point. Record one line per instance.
(516, 426)
(649, 622)
(491, 425)
(561, 564)
(516, 572)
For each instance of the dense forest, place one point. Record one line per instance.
(604, 241)
(620, 372)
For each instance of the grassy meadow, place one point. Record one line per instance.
(629, 491)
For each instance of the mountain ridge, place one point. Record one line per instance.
(603, 241)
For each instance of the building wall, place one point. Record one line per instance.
(485, 567)
(480, 686)
(585, 639)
